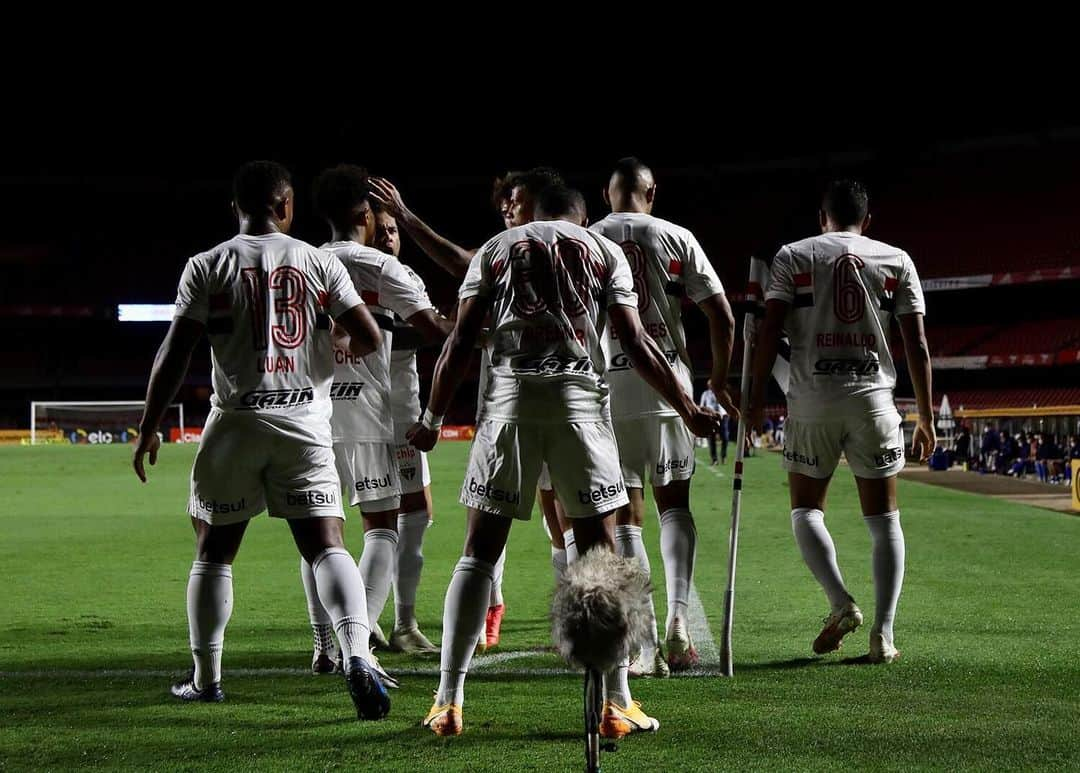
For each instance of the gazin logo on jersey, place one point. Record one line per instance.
(277, 398)
(346, 390)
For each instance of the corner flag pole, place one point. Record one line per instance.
(754, 298)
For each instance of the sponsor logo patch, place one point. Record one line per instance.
(600, 493)
(214, 506)
(277, 398)
(370, 484)
(672, 465)
(493, 493)
(796, 458)
(889, 456)
(311, 498)
(346, 390)
(846, 367)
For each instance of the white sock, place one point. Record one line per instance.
(410, 561)
(617, 685)
(463, 615)
(322, 630)
(888, 563)
(341, 591)
(496, 581)
(571, 546)
(818, 551)
(209, 607)
(558, 562)
(678, 546)
(628, 544)
(377, 569)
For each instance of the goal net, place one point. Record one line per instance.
(98, 422)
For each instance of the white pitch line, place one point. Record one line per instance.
(135, 673)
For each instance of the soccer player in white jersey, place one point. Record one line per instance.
(835, 296)
(514, 197)
(266, 301)
(550, 287)
(666, 263)
(363, 428)
(415, 512)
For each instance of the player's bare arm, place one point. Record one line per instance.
(170, 367)
(450, 257)
(653, 366)
(431, 326)
(766, 345)
(917, 352)
(364, 335)
(721, 337)
(450, 369)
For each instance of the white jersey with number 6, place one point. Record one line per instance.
(267, 302)
(667, 263)
(843, 289)
(550, 284)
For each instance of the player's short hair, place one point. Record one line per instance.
(338, 192)
(560, 200)
(633, 175)
(533, 180)
(846, 202)
(259, 185)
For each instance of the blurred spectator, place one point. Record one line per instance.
(778, 433)
(708, 400)
(991, 444)
(963, 445)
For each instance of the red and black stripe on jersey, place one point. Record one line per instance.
(804, 291)
(888, 295)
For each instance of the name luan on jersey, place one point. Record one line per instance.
(267, 302)
(666, 263)
(361, 397)
(844, 289)
(549, 284)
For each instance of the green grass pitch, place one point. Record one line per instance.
(94, 567)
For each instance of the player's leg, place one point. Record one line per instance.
(412, 524)
(584, 458)
(209, 607)
(226, 491)
(811, 453)
(671, 465)
(499, 486)
(548, 502)
(635, 452)
(302, 486)
(876, 455)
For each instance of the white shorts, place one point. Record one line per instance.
(244, 467)
(370, 475)
(505, 461)
(544, 483)
(872, 444)
(413, 472)
(660, 445)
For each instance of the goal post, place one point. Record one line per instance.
(97, 422)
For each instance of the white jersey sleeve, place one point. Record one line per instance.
(781, 279)
(477, 280)
(698, 273)
(192, 296)
(909, 294)
(400, 291)
(620, 289)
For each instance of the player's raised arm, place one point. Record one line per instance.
(170, 367)
(653, 366)
(917, 352)
(450, 257)
(449, 370)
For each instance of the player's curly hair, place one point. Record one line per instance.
(339, 191)
(258, 186)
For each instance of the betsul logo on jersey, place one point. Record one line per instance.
(796, 458)
(600, 493)
(346, 390)
(493, 493)
(277, 398)
(310, 498)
